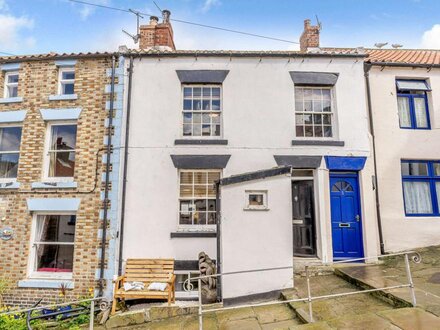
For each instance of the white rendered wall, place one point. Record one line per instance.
(258, 122)
(392, 145)
(257, 239)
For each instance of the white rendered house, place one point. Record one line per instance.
(283, 134)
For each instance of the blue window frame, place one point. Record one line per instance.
(412, 104)
(421, 187)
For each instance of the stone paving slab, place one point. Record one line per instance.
(361, 322)
(412, 319)
(273, 313)
(245, 324)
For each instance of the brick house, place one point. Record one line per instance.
(52, 173)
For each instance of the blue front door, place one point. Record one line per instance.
(345, 216)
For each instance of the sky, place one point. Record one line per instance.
(41, 26)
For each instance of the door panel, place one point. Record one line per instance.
(345, 217)
(303, 223)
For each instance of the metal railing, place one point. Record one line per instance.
(104, 304)
(415, 256)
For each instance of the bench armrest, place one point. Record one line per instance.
(118, 281)
(171, 279)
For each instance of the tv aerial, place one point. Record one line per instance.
(136, 36)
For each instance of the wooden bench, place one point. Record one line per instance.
(146, 271)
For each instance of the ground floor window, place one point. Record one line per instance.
(53, 244)
(197, 203)
(421, 187)
(181, 277)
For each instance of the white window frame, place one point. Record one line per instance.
(220, 112)
(46, 160)
(186, 294)
(4, 180)
(62, 81)
(8, 84)
(196, 228)
(32, 273)
(263, 207)
(332, 113)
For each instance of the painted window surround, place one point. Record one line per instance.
(8, 67)
(11, 118)
(431, 178)
(265, 203)
(63, 65)
(56, 116)
(411, 96)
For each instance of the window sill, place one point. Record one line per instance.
(185, 234)
(9, 185)
(11, 100)
(45, 283)
(318, 143)
(63, 97)
(200, 142)
(54, 185)
(256, 209)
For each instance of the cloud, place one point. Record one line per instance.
(11, 28)
(86, 11)
(209, 4)
(431, 38)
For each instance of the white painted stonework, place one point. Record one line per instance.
(393, 144)
(258, 121)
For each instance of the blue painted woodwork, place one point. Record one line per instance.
(10, 67)
(336, 163)
(53, 204)
(431, 178)
(412, 111)
(346, 216)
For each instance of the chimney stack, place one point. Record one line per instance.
(310, 36)
(157, 35)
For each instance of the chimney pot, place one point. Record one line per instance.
(154, 20)
(166, 16)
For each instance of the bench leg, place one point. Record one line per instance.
(115, 301)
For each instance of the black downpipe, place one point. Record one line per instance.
(107, 179)
(367, 68)
(218, 257)
(124, 182)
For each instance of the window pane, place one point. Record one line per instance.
(54, 258)
(12, 91)
(206, 130)
(187, 105)
(308, 130)
(299, 131)
(256, 199)
(10, 138)
(328, 131)
(63, 137)
(187, 92)
(187, 118)
(206, 92)
(299, 95)
(216, 92)
(62, 164)
(200, 190)
(326, 106)
(420, 112)
(8, 165)
(213, 176)
(197, 92)
(417, 197)
(68, 88)
(200, 177)
(68, 75)
(200, 204)
(416, 169)
(187, 129)
(200, 218)
(404, 114)
(212, 220)
(215, 104)
(299, 106)
(56, 228)
(411, 85)
(308, 106)
(326, 95)
(437, 190)
(215, 118)
(13, 78)
(318, 131)
(436, 167)
(206, 105)
(197, 104)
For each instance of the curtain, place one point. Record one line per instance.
(420, 112)
(404, 115)
(417, 197)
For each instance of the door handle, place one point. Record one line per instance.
(357, 217)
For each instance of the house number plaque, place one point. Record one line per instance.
(6, 234)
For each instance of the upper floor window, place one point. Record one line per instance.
(202, 110)
(66, 85)
(421, 187)
(313, 112)
(412, 104)
(197, 199)
(11, 84)
(10, 138)
(60, 162)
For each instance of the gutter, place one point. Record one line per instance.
(403, 65)
(107, 179)
(124, 182)
(367, 68)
